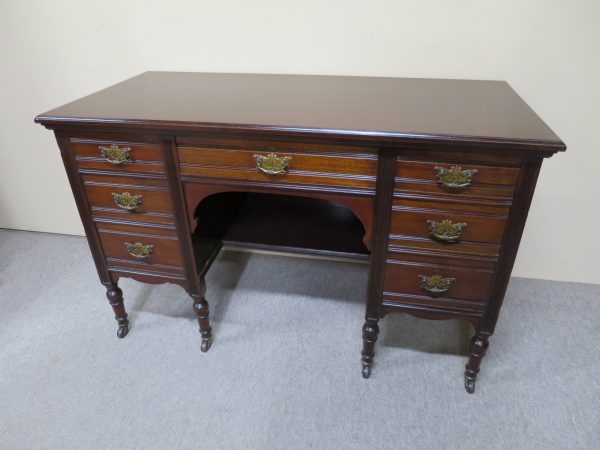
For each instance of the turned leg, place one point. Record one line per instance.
(201, 308)
(114, 294)
(370, 331)
(477, 349)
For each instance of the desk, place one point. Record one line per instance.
(428, 180)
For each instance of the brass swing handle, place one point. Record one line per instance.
(436, 284)
(272, 164)
(139, 250)
(127, 201)
(115, 154)
(455, 177)
(446, 231)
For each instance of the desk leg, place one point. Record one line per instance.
(201, 308)
(477, 350)
(370, 331)
(114, 294)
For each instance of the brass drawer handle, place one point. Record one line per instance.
(139, 250)
(272, 164)
(436, 284)
(127, 201)
(115, 154)
(445, 230)
(455, 177)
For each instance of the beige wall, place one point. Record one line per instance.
(56, 51)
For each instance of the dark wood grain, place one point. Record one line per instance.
(362, 182)
(425, 303)
(294, 224)
(107, 278)
(143, 157)
(194, 268)
(382, 213)
(361, 204)
(425, 170)
(153, 200)
(303, 167)
(362, 107)
(166, 248)
(469, 284)
(511, 241)
(442, 256)
(404, 243)
(480, 228)
(452, 203)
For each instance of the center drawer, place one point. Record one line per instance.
(282, 165)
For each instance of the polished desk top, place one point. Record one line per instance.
(364, 107)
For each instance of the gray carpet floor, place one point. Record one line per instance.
(284, 370)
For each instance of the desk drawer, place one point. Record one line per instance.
(447, 228)
(129, 199)
(455, 179)
(435, 282)
(118, 156)
(155, 249)
(297, 167)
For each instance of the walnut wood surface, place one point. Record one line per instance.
(290, 177)
(156, 206)
(364, 150)
(430, 246)
(197, 191)
(425, 170)
(363, 107)
(157, 270)
(142, 228)
(434, 188)
(143, 158)
(298, 224)
(142, 180)
(166, 248)
(479, 229)
(153, 199)
(444, 257)
(303, 168)
(428, 307)
(452, 203)
(470, 284)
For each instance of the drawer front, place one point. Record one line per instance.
(404, 277)
(130, 202)
(456, 179)
(150, 192)
(161, 244)
(327, 169)
(125, 157)
(393, 301)
(447, 229)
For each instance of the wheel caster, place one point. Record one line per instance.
(122, 331)
(206, 343)
(366, 371)
(470, 385)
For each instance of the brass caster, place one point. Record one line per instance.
(206, 343)
(122, 331)
(469, 384)
(366, 371)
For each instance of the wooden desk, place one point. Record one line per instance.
(430, 180)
